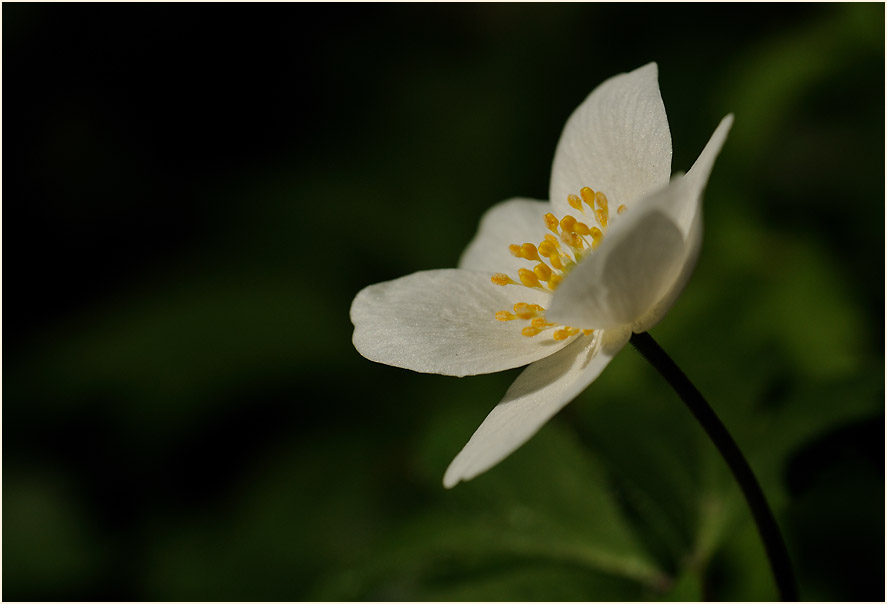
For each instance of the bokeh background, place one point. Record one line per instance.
(193, 194)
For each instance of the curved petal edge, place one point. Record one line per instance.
(617, 141)
(443, 321)
(537, 394)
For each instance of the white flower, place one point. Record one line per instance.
(571, 279)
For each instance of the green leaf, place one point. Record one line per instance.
(548, 508)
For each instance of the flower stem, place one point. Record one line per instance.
(754, 496)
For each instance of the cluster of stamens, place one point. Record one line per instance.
(569, 241)
(535, 315)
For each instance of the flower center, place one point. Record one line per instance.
(568, 243)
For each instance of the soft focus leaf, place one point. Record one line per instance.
(549, 508)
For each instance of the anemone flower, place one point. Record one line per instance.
(559, 286)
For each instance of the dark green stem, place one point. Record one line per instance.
(766, 523)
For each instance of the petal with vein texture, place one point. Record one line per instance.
(514, 221)
(617, 141)
(443, 321)
(538, 393)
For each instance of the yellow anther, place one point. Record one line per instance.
(568, 223)
(546, 248)
(561, 334)
(582, 228)
(566, 332)
(596, 237)
(621, 209)
(577, 241)
(553, 240)
(528, 277)
(602, 216)
(553, 260)
(551, 222)
(601, 200)
(542, 271)
(524, 310)
(572, 239)
(528, 252)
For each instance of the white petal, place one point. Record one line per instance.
(640, 258)
(538, 393)
(701, 170)
(692, 244)
(685, 208)
(443, 321)
(689, 218)
(514, 221)
(617, 142)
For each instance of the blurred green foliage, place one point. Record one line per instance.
(201, 427)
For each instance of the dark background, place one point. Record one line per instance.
(193, 194)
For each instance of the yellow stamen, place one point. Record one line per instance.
(582, 229)
(550, 249)
(546, 248)
(528, 277)
(602, 216)
(540, 322)
(596, 237)
(528, 252)
(526, 311)
(561, 334)
(568, 223)
(553, 259)
(601, 200)
(542, 271)
(564, 333)
(572, 239)
(551, 222)
(621, 209)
